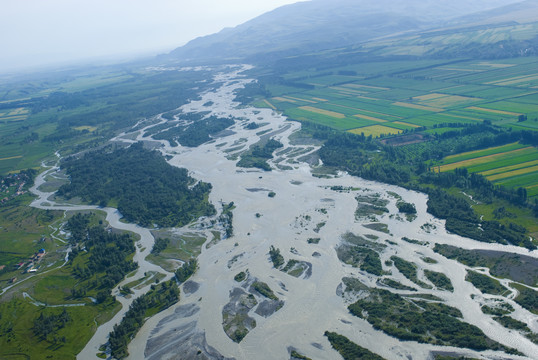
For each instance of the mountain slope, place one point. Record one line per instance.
(321, 24)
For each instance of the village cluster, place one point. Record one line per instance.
(12, 186)
(28, 266)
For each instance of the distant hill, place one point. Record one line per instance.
(520, 12)
(324, 24)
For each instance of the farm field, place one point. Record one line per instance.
(428, 97)
(513, 165)
(433, 95)
(13, 115)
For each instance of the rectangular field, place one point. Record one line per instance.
(484, 152)
(513, 165)
(433, 95)
(493, 160)
(342, 124)
(375, 130)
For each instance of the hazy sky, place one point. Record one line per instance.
(42, 32)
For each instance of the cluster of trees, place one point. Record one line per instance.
(186, 270)
(45, 325)
(527, 298)
(485, 284)
(406, 208)
(59, 100)
(62, 134)
(226, 219)
(109, 253)
(421, 321)
(250, 92)
(361, 256)
(159, 298)
(78, 227)
(159, 245)
(252, 126)
(517, 267)
(146, 188)
(439, 279)
(348, 349)
(499, 50)
(240, 276)
(462, 220)
(276, 257)
(264, 289)
(257, 157)
(108, 262)
(409, 270)
(196, 133)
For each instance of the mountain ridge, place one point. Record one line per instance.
(321, 24)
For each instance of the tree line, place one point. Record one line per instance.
(159, 298)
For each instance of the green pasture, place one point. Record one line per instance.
(284, 104)
(93, 81)
(20, 341)
(330, 80)
(499, 92)
(279, 90)
(402, 83)
(465, 90)
(383, 107)
(397, 94)
(484, 114)
(530, 124)
(434, 119)
(527, 99)
(501, 75)
(326, 94)
(516, 107)
(387, 67)
(21, 228)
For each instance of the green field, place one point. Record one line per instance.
(512, 165)
(435, 94)
(428, 97)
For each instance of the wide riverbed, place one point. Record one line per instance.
(302, 204)
(304, 207)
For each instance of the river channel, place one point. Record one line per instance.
(303, 207)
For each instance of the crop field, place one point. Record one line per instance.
(512, 165)
(445, 100)
(13, 115)
(375, 130)
(391, 98)
(434, 95)
(85, 127)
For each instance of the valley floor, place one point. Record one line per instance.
(304, 207)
